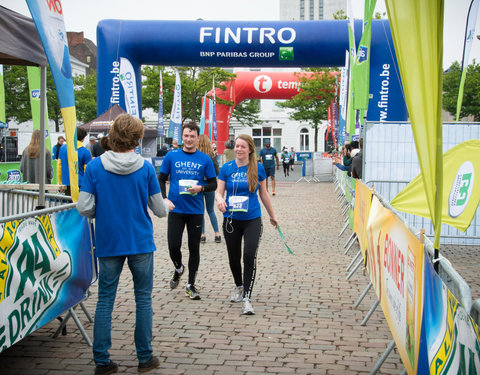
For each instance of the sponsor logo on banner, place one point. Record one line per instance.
(35, 94)
(362, 54)
(263, 84)
(461, 190)
(33, 270)
(285, 53)
(238, 35)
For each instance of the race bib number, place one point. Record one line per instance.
(269, 157)
(238, 204)
(184, 185)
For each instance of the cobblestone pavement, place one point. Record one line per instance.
(305, 322)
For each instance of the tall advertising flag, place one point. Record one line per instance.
(350, 127)
(33, 73)
(160, 131)
(48, 19)
(2, 97)
(417, 30)
(214, 114)
(175, 125)
(210, 118)
(467, 46)
(361, 68)
(202, 117)
(129, 84)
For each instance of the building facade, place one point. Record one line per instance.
(302, 10)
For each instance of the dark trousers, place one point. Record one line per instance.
(176, 226)
(250, 231)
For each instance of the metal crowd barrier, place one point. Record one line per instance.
(13, 202)
(452, 279)
(22, 204)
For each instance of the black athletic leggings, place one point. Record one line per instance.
(176, 225)
(250, 231)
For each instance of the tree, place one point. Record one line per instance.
(17, 98)
(340, 15)
(316, 94)
(195, 82)
(246, 112)
(471, 91)
(85, 97)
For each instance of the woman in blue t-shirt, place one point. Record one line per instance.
(242, 178)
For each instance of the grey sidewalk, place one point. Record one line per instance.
(305, 322)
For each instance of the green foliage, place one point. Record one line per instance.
(85, 97)
(246, 112)
(340, 15)
(471, 91)
(316, 94)
(195, 82)
(17, 101)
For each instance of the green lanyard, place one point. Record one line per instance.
(283, 239)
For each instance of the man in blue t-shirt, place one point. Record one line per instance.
(188, 169)
(84, 157)
(268, 156)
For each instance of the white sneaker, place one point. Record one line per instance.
(247, 308)
(237, 294)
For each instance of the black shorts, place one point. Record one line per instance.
(270, 172)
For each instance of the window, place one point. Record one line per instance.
(304, 140)
(260, 135)
(311, 10)
(302, 9)
(320, 9)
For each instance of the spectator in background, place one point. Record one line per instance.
(84, 157)
(56, 148)
(91, 143)
(97, 147)
(163, 150)
(228, 153)
(206, 147)
(30, 164)
(357, 162)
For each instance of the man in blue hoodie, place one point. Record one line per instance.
(117, 189)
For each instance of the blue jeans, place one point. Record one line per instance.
(209, 202)
(110, 268)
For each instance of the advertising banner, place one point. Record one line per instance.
(417, 30)
(33, 73)
(363, 200)
(160, 131)
(395, 266)
(45, 269)
(48, 19)
(452, 338)
(175, 125)
(461, 193)
(129, 84)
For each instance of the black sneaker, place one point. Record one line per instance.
(110, 368)
(203, 239)
(192, 293)
(152, 363)
(218, 239)
(175, 280)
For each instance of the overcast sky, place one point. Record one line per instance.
(83, 15)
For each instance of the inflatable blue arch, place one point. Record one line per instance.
(273, 44)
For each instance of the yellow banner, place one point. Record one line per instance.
(395, 266)
(417, 31)
(69, 121)
(461, 193)
(363, 200)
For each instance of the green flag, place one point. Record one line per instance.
(417, 30)
(351, 44)
(2, 96)
(34, 90)
(361, 67)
